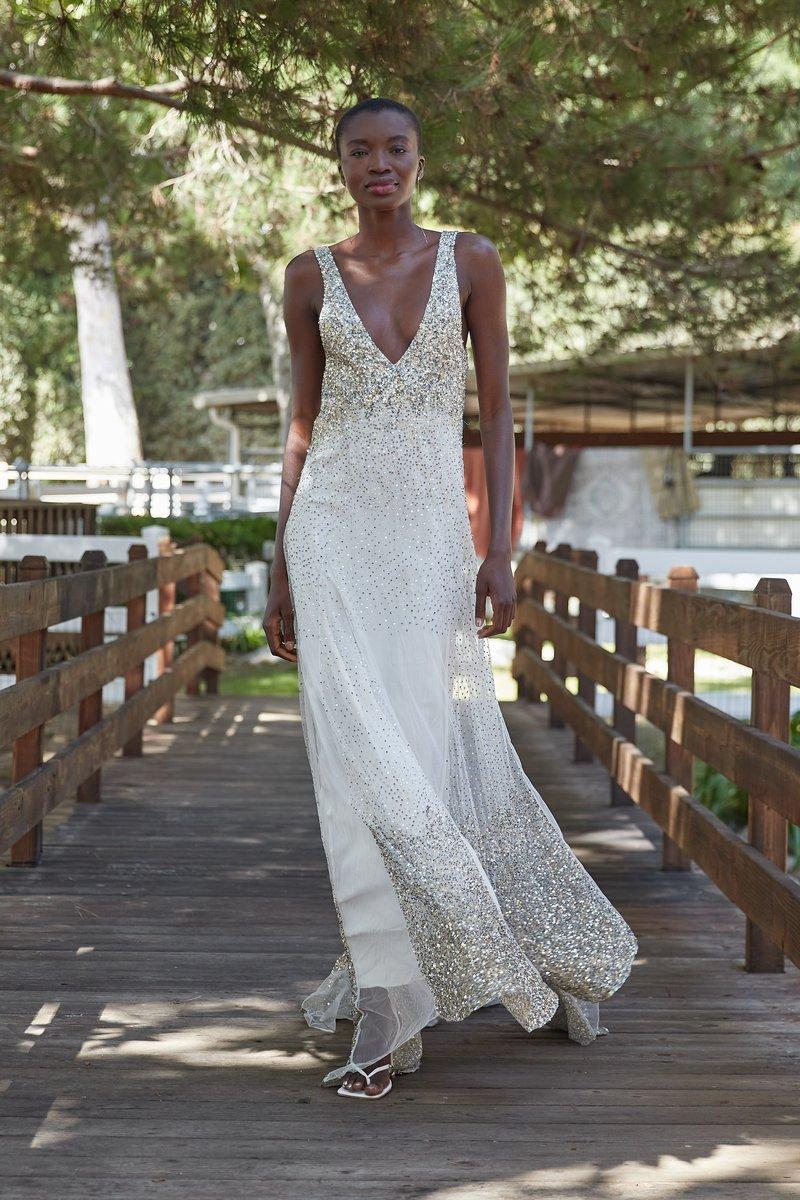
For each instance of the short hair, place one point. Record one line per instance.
(376, 104)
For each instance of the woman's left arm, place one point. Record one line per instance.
(485, 311)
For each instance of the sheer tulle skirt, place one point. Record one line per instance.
(452, 882)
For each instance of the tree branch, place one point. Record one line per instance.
(582, 234)
(52, 85)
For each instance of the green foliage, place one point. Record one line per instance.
(237, 539)
(248, 635)
(637, 166)
(729, 802)
(637, 162)
(188, 326)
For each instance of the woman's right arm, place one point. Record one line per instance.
(302, 300)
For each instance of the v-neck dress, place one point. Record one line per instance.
(453, 885)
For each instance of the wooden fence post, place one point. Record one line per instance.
(90, 708)
(532, 590)
(624, 644)
(26, 756)
(165, 655)
(537, 596)
(192, 585)
(211, 587)
(768, 829)
(587, 624)
(134, 678)
(560, 666)
(679, 763)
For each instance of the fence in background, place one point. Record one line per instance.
(28, 609)
(155, 489)
(757, 757)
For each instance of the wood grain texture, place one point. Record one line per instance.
(38, 605)
(754, 637)
(751, 758)
(155, 960)
(760, 889)
(768, 829)
(27, 801)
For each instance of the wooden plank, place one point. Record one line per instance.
(30, 606)
(135, 618)
(587, 624)
(167, 594)
(58, 688)
(760, 889)
(679, 761)
(624, 718)
(752, 759)
(754, 637)
(27, 750)
(767, 829)
(22, 805)
(560, 663)
(90, 707)
(152, 1043)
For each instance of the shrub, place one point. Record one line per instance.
(729, 802)
(237, 539)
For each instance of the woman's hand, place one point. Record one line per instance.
(278, 620)
(495, 580)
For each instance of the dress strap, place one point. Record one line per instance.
(324, 258)
(331, 280)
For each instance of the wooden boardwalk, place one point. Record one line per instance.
(153, 962)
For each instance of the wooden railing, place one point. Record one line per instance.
(30, 607)
(36, 517)
(756, 757)
(39, 516)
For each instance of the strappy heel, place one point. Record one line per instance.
(364, 1095)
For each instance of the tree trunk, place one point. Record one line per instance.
(109, 412)
(272, 304)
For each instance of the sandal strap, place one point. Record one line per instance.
(368, 1074)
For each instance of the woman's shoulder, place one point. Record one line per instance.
(302, 264)
(475, 245)
(477, 257)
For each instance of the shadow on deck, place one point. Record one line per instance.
(154, 961)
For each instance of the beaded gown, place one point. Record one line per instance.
(453, 885)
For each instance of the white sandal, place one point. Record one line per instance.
(364, 1095)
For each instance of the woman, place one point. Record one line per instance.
(453, 885)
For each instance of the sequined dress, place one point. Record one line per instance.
(452, 882)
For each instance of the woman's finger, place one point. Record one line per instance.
(289, 639)
(480, 603)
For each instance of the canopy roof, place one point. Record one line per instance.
(744, 397)
(621, 398)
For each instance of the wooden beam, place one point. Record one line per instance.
(680, 671)
(30, 799)
(759, 888)
(753, 759)
(718, 439)
(56, 689)
(767, 829)
(26, 754)
(90, 707)
(756, 638)
(38, 605)
(625, 641)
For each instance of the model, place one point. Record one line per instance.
(453, 884)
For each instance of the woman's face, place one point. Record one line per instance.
(379, 158)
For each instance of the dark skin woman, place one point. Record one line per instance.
(386, 267)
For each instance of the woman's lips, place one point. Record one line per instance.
(382, 189)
